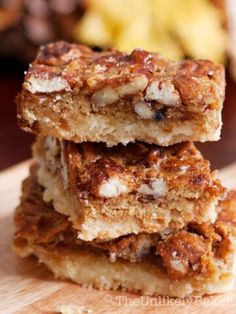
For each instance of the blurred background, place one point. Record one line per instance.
(176, 28)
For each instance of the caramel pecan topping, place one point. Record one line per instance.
(180, 252)
(147, 80)
(107, 178)
(141, 168)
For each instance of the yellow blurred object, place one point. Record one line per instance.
(176, 28)
(199, 29)
(94, 30)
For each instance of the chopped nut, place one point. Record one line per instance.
(112, 257)
(139, 83)
(178, 266)
(144, 110)
(105, 96)
(46, 85)
(195, 267)
(183, 169)
(31, 117)
(157, 188)
(112, 188)
(109, 95)
(180, 251)
(163, 92)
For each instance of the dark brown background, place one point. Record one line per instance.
(15, 144)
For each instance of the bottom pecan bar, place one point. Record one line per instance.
(198, 259)
(110, 192)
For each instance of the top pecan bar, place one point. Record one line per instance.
(72, 92)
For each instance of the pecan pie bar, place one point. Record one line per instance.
(108, 192)
(73, 93)
(195, 260)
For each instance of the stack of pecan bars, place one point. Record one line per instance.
(119, 196)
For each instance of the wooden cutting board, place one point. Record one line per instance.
(28, 287)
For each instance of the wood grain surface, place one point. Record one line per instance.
(28, 287)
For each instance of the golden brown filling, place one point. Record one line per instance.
(149, 171)
(105, 78)
(180, 253)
